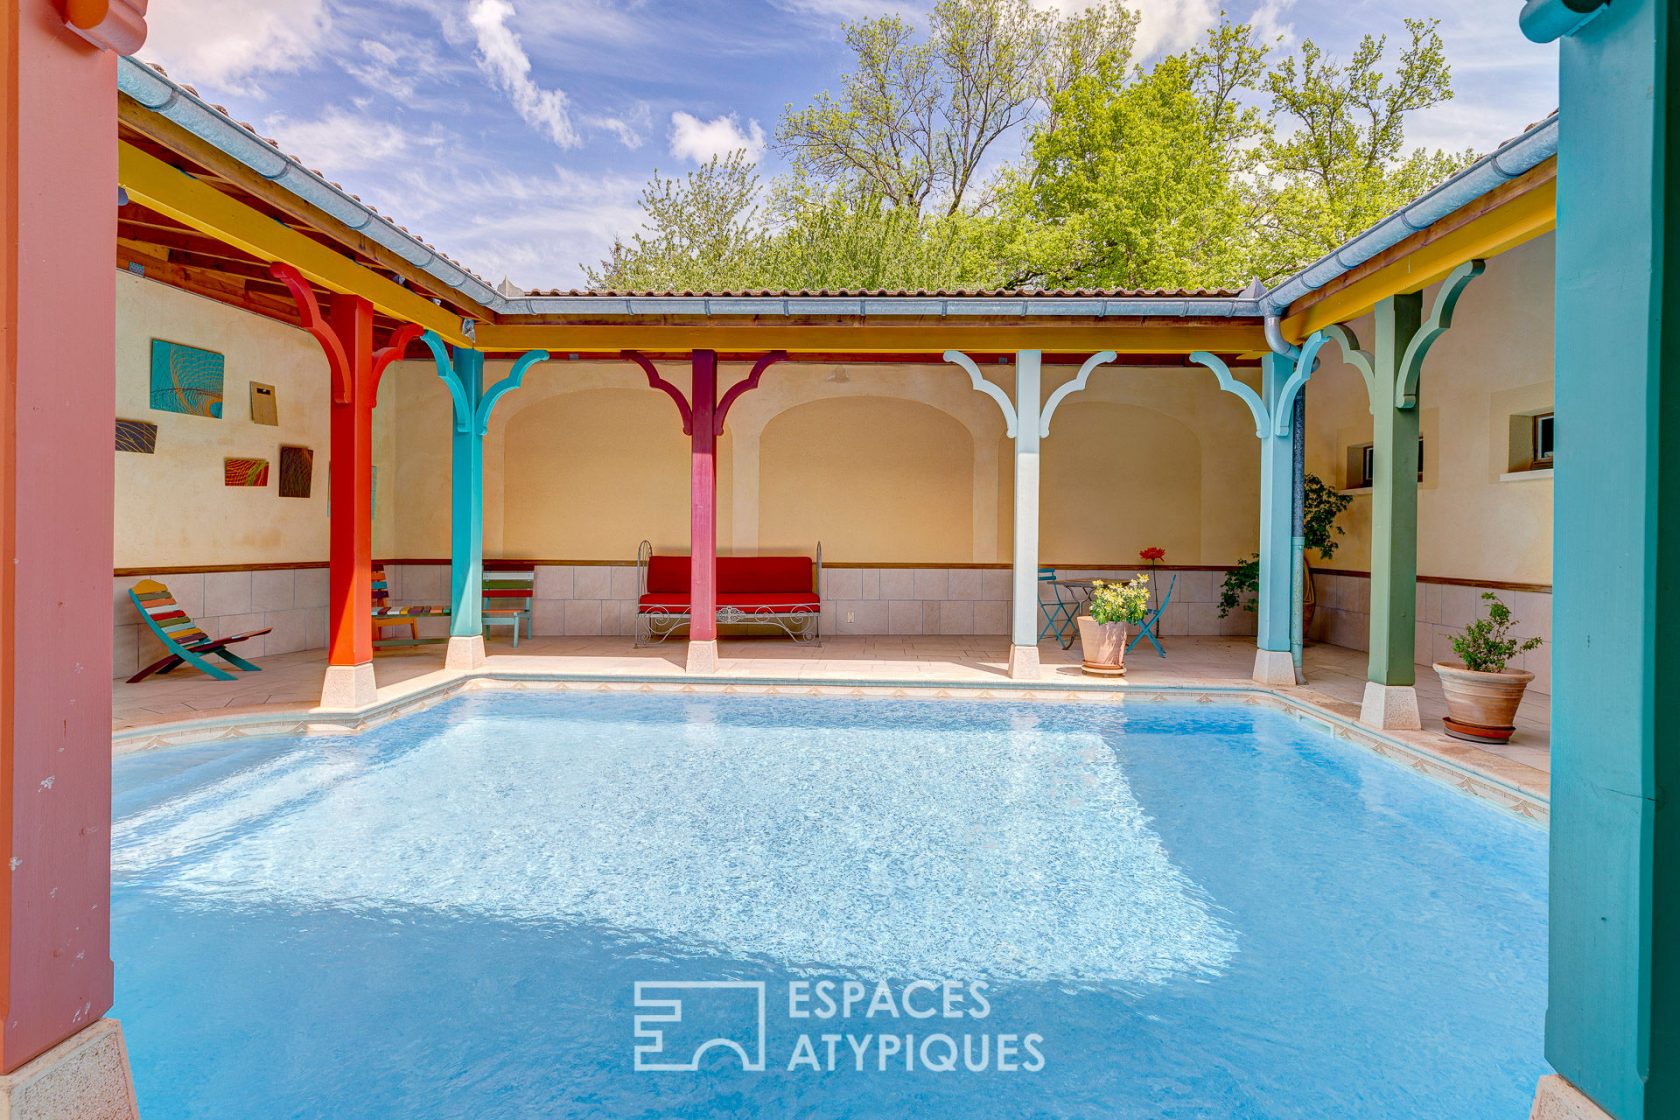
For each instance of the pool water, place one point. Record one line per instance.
(518, 905)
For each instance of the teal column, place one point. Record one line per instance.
(1613, 1023)
(1394, 434)
(1277, 530)
(466, 522)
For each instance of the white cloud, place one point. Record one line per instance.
(503, 58)
(340, 141)
(698, 140)
(1270, 23)
(225, 43)
(630, 128)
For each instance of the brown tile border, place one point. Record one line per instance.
(1508, 785)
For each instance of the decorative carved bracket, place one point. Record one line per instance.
(515, 377)
(670, 390)
(391, 352)
(1227, 382)
(318, 327)
(447, 374)
(1283, 409)
(978, 380)
(1359, 359)
(1440, 319)
(1072, 387)
(740, 387)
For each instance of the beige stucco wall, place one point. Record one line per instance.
(171, 507)
(1494, 363)
(882, 463)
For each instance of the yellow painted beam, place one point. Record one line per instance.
(1523, 218)
(875, 336)
(168, 191)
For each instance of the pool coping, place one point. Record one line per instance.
(434, 688)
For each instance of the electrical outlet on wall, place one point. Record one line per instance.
(849, 617)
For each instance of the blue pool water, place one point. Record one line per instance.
(1155, 910)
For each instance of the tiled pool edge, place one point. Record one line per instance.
(435, 688)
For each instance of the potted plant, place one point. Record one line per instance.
(1320, 509)
(1102, 632)
(1482, 694)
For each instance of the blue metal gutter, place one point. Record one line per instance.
(172, 101)
(1509, 160)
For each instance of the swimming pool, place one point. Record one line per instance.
(549, 905)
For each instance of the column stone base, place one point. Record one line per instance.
(465, 652)
(1390, 707)
(1023, 663)
(702, 656)
(85, 1077)
(1274, 667)
(349, 686)
(1557, 1099)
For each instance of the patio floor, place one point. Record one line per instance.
(1336, 676)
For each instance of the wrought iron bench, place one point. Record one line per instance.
(773, 590)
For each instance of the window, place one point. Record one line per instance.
(1362, 465)
(1543, 440)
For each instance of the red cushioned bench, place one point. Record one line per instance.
(773, 590)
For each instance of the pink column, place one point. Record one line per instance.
(702, 515)
(58, 222)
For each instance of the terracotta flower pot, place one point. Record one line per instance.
(1102, 647)
(1481, 707)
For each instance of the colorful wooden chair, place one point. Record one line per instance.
(182, 637)
(386, 617)
(508, 598)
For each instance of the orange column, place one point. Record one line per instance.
(350, 556)
(345, 334)
(58, 198)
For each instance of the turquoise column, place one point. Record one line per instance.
(463, 373)
(1274, 663)
(1613, 1023)
(466, 521)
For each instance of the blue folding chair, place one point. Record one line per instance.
(1056, 612)
(1146, 628)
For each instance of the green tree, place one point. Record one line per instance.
(1344, 163)
(1144, 180)
(703, 231)
(827, 239)
(916, 117)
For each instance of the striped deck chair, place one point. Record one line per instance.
(507, 600)
(181, 636)
(386, 617)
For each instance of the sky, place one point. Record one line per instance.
(516, 135)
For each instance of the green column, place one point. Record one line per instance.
(1394, 432)
(1613, 1022)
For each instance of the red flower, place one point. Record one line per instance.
(1153, 555)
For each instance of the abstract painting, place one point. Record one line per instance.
(138, 436)
(297, 470)
(245, 472)
(186, 379)
(264, 410)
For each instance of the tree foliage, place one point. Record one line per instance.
(917, 116)
(1229, 161)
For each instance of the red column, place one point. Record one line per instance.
(350, 544)
(702, 509)
(58, 211)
